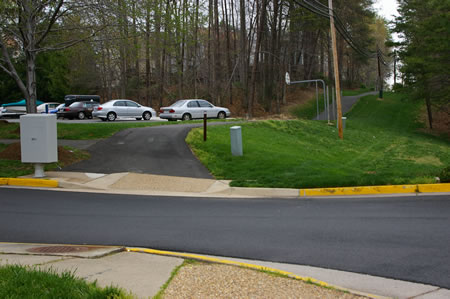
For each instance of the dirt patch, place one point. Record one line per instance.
(65, 156)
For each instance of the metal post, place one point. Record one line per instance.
(307, 81)
(317, 101)
(204, 125)
(333, 103)
(39, 170)
(328, 104)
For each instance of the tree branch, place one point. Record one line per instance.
(11, 70)
(50, 24)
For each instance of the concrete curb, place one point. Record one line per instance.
(374, 190)
(29, 182)
(249, 266)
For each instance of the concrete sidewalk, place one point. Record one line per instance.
(143, 274)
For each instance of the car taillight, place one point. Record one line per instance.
(99, 108)
(161, 110)
(66, 109)
(171, 111)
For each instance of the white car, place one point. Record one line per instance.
(123, 108)
(190, 109)
(42, 108)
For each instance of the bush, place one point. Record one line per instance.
(444, 176)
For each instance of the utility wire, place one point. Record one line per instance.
(323, 10)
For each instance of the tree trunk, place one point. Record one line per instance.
(147, 55)
(430, 114)
(259, 35)
(243, 51)
(217, 68)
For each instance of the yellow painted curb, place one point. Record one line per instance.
(3, 181)
(30, 182)
(424, 188)
(245, 265)
(363, 190)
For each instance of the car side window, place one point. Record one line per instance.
(192, 104)
(131, 104)
(119, 103)
(204, 104)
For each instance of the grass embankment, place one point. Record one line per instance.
(308, 110)
(24, 282)
(382, 145)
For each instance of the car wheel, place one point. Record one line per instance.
(138, 118)
(111, 116)
(186, 116)
(81, 115)
(147, 115)
(221, 115)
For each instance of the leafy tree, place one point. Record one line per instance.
(424, 26)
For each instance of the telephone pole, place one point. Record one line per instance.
(336, 70)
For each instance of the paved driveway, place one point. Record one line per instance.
(153, 150)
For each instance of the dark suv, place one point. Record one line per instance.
(79, 110)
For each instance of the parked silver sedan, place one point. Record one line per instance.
(190, 109)
(123, 108)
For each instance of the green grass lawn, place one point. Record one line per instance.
(25, 282)
(382, 145)
(308, 110)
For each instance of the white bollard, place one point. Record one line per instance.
(236, 141)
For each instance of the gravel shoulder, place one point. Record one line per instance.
(203, 280)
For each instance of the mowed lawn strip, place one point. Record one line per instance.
(382, 145)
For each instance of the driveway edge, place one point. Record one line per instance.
(374, 190)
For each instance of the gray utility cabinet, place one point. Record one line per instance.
(38, 138)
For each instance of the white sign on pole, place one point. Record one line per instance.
(288, 79)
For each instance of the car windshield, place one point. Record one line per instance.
(178, 103)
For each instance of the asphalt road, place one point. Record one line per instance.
(405, 238)
(153, 150)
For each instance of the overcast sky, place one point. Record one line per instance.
(386, 8)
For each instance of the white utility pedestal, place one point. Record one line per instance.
(38, 140)
(236, 141)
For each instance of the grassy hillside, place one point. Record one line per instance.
(382, 145)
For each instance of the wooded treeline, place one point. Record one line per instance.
(231, 52)
(424, 49)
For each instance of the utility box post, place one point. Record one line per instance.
(38, 140)
(236, 141)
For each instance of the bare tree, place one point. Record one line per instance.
(25, 29)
